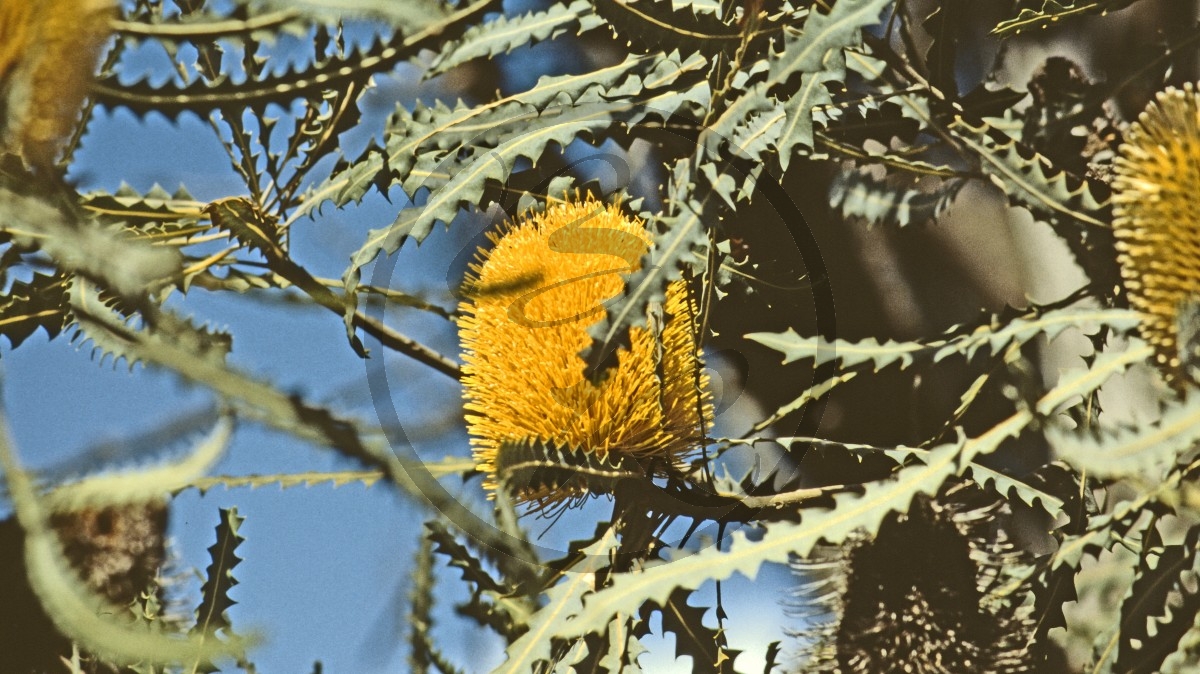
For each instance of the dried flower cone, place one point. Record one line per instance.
(530, 302)
(1157, 220)
(48, 53)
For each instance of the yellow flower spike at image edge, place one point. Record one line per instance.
(49, 50)
(1157, 218)
(530, 302)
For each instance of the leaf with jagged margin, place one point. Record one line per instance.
(508, 33)
(852, 512)
(1032, 180)
(809, 395)
(74, 609)
(147, 484)
(1158, 609)
(1005, 485)
(681, 239)
(1186, 657)
(126, 266)
(655, 25)
(408, 15)
(558, 125)
(444, 127)
(772, 653)
(201, 27)
(434, 144)
(1141, 451)
(461, 558)
(1054, 11)
(202, 97)
(219, 580)
(121, 343)
(565, 601)
(624, 648)
(367, 478)
(155, 213)
(944, 25)
(994, 338)
(258, 400)
(857, 194)
(420, 608)
(40, 303)
(706, 646)
(1008, 486)
(816, 53)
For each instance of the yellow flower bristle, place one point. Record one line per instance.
(1157, 218)
(530, 302)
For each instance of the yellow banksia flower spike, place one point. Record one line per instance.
(529, 303)
(1157, 219)
(49, 51)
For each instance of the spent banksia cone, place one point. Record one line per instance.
(1157, 221)
(530, 302)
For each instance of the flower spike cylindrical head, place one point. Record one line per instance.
(529, 303)
(1157, 222)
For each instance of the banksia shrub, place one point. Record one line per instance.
(1158, 220)
(530, 301)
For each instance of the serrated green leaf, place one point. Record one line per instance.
(781, 540)
(816, 54)
(1161, 604)
(994, 338)
(40, 303)
(553, 125)
(410, 134)
(218, 581)
(124, 265)
(859, 195)
(146, 484)
(565, 600)
(1053, 11)
(1142, 451)
(1031, 179)
(508, 33)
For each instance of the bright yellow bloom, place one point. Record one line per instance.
(1157, 224)
(530, 302)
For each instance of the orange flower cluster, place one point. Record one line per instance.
(525, 321)
(1157, 221)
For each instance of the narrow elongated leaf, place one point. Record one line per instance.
(1142, 451)
(219, 580)
(565, 606)
(147, 484)
(1054, 11)
(558, 125)
(816, 54)
(990, 337)
(506, 34)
